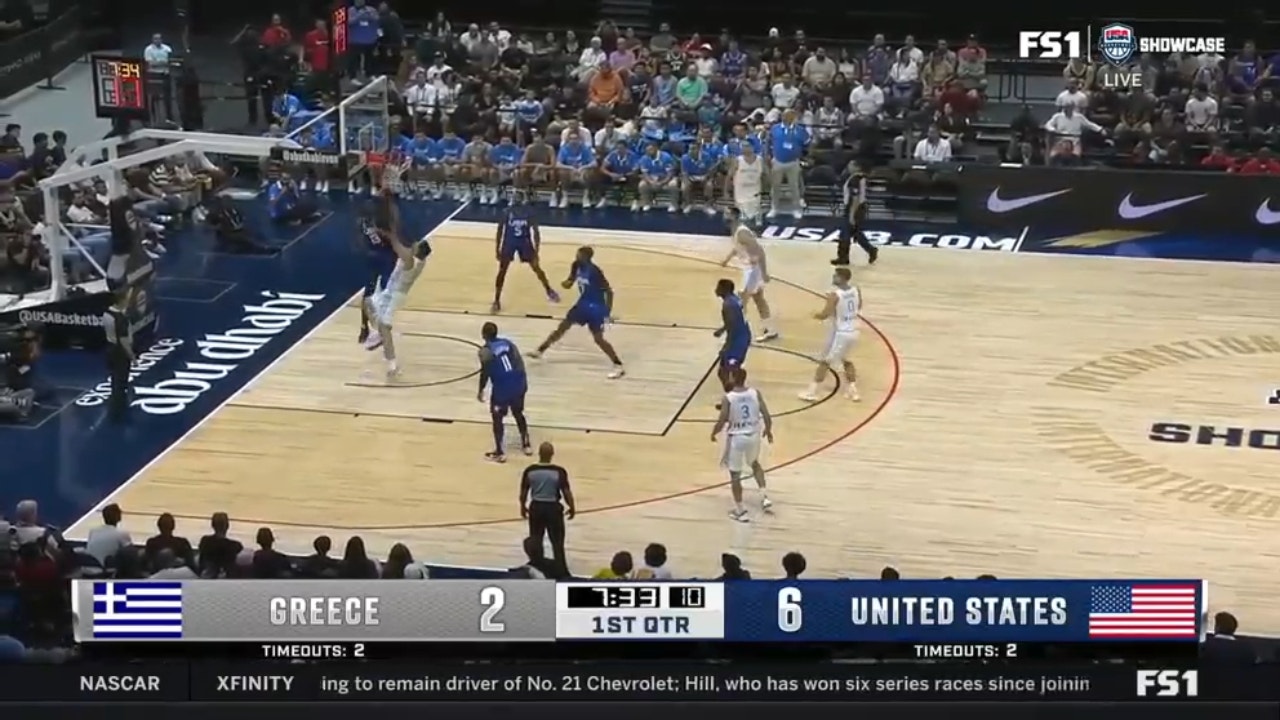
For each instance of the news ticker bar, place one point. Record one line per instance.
(528, 610)
(213, 682)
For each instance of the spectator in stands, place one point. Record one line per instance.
(590, 59)
(690, 91)
(269, 563)
(866, 102)
(165, 539)
(1218, 159)
(1263, 118)
(391, 38)
(1263, 163)
(538, 566)
(1065, 130)
(315, 51)
(12, 138)
(663, 41)
(1073, 95)
(938, 71)
(606, 92)
(1244, 74)
(159, 60)
(1223, 647)
(218, 551)
(26, 527)
(362, 39)
(355, 564)
(828, 124)
(620, 568)
(1201, 112)
(25, 267)
(953, 127)
(785, 94)
(933, 148)
(284, 204)
(904, 81)
(168, 565)
(108, 539)
(655, 563)
(971, 65)
(819, 70)
(732, 566)
(318, 564)
(794, 565)
(276, 35)
(878, 60)
(400, 565)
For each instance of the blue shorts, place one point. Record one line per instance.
(523, 250)
(733, 356)
(502, 401)
(591, 315)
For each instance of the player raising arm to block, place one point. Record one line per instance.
(755, 271)
(501, 365)
(593, 308)
(747, 418)
(844, 302)
(519, 237)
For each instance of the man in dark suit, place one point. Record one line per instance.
(1223, 647)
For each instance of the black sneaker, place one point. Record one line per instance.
(364, 335)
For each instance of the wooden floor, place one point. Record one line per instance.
(1008, 401)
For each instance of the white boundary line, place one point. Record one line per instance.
(97, 508)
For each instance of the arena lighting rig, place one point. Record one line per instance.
(949, 640)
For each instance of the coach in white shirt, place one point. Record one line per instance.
(106, 540)
(932, 149)
(866, 101)
(1069, 125)
(158, 57)
(1073, 96)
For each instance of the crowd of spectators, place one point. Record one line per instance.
(1203, 110)
(35, 563)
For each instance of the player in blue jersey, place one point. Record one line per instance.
(734, 329)
(519, 237)
(593, 308)
(378, 221)
(502, 370)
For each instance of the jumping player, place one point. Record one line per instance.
(519, 237)
(384, 304)
(501, 364)
(593, 308)
(844, 302)
(378, 221)
(755, 271)
(734, 329)
(747, 417)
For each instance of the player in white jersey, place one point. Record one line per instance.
(384, 303)
(844, 302)
(746, 416)
(747, 172)
(755, 271)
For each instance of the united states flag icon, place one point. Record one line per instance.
(1144, 611)
(137, 610)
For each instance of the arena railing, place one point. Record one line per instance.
(41, 53)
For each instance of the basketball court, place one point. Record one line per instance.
(1008, 407)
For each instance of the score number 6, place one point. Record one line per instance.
(790, 614)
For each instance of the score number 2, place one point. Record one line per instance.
(493, 600)
(790, 614)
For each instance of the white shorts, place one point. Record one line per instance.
(384, 304)
(740, 453)
(747, 200)
(839, 347)
(752, 279)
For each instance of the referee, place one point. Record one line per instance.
(543, 487)
(855, 200)
(119, 333)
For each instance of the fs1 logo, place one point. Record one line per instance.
(1168, 683)
(1050, 44)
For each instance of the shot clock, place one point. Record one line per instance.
(636, 611)
(119, 87)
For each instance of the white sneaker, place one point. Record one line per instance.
(646, 207)
(602, 204)
(564, 201)
(767, 335)
(393, 374)
(617, 372)
(766, 504)
(672, 208)
(586, 200)
(771, 214)
(688, 209)
(324, 187)
(739, 516)
(798, 214)
(635, 206)
(808, 396)
(851, 392)
(710, 209)
(373, 342)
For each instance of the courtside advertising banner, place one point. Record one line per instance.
(1058, 201)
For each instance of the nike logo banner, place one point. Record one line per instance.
(1054, 201)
